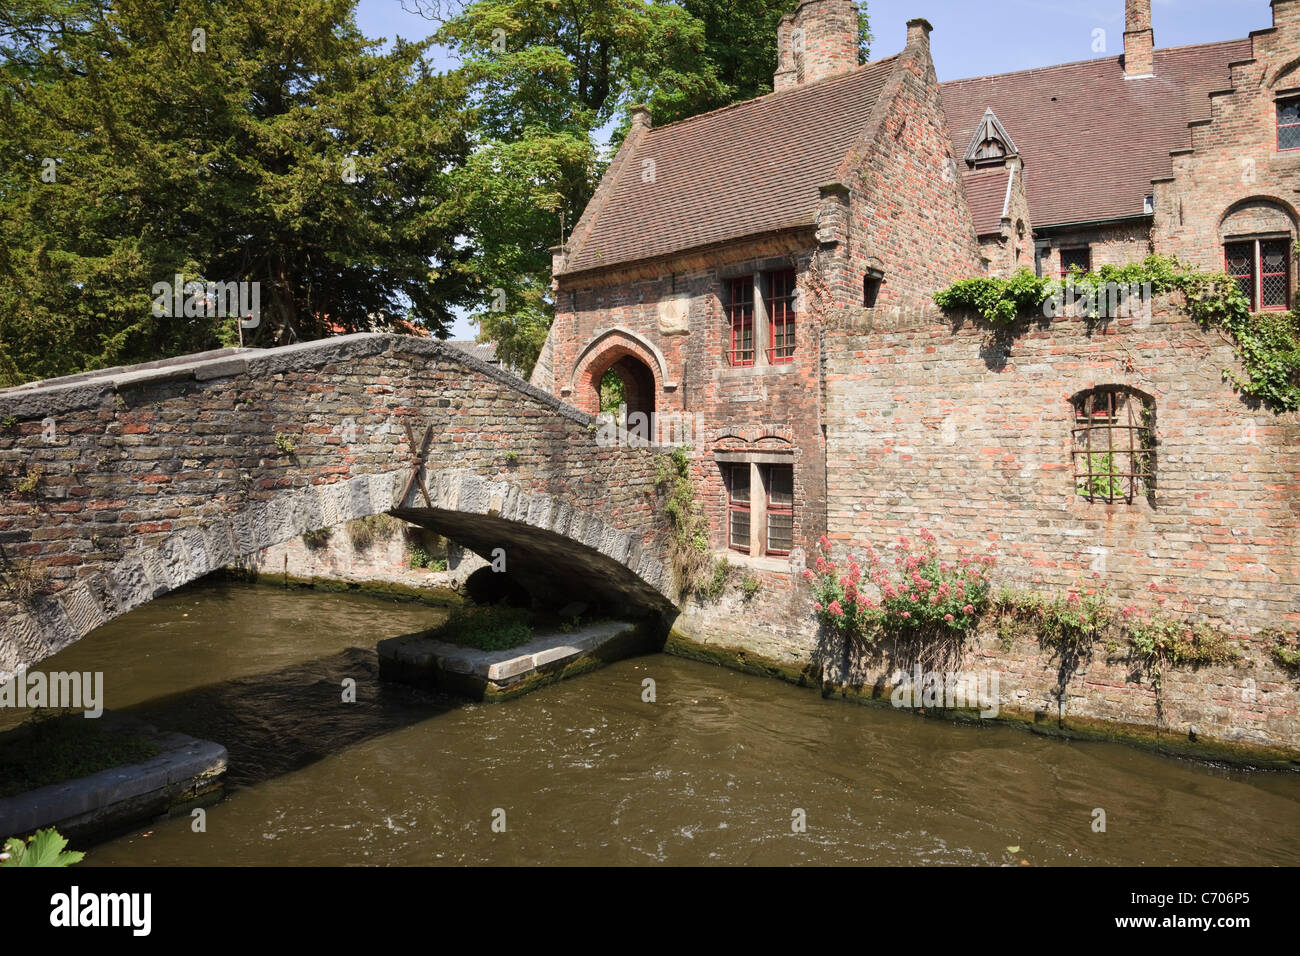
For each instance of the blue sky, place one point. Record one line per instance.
(973, 37)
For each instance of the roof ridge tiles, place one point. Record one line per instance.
(1096, 59)
(824, 81)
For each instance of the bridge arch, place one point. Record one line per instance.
(504, 466)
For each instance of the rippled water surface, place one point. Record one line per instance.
(586, 772)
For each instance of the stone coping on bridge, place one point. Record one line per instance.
(88, 389)
(497, 675)
(186, 772)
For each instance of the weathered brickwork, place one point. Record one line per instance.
(151, 478)
(931, 426)
(331, 557)
(893, 211)
(1234, 180)
(818, 40)
(760, 408)
(897, 419)
(908, 212)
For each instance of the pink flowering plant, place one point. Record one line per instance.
(912, 591)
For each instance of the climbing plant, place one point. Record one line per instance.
(689, 528)
(1266, 343)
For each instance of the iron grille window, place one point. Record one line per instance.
(1072, 259)
(780, 508)
(780, 310)
(1114, 444)
(740, 317)
(1288, 123)
(1262, 268)
(738, 507)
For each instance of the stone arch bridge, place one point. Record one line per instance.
(122, 485)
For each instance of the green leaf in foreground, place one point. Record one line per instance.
(44, 848)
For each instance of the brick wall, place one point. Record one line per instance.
(818, 40)
(759, 408)
(934, 427)
(931, 424)
(931, 427)
(1114, 244)
(908, 210)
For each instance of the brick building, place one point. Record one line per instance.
(769, 268)
(703, 268)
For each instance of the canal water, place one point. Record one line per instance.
(721, 768)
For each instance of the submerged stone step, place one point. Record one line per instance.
(498, 675)
(187, 772)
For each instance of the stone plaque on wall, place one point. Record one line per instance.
(674, 315)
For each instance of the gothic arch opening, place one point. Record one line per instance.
(626, 381)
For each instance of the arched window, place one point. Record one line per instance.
(1257, 236)
(1114, 444)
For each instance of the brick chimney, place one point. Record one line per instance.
(818, 40)
(1139, 39)
(918, 32)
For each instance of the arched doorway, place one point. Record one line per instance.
(626, 382)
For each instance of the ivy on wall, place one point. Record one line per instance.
(1266, 343)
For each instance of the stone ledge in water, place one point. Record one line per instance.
(187, 772)
(495, 675)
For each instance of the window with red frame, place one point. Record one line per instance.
(740, 318)
(779, 480)
(1262, 268)
(1288, 123)
(738, 507)
(780, 312)
(1073, 259)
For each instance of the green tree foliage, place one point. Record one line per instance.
(613, 392)
(277, 146)
(544, 79)
(740, 37)
(549, 81)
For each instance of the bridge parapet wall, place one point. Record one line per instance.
(122, 485)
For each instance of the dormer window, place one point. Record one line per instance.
(991, 145)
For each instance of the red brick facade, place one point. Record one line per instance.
(896, 418)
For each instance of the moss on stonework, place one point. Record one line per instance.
(437, 596)
(1074, 727)
(679, 645)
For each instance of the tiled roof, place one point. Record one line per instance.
(986, 191)
(743, 170)
(485, 351)
(1092, 140)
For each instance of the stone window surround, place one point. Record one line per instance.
(759, 269)
(757, 504)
